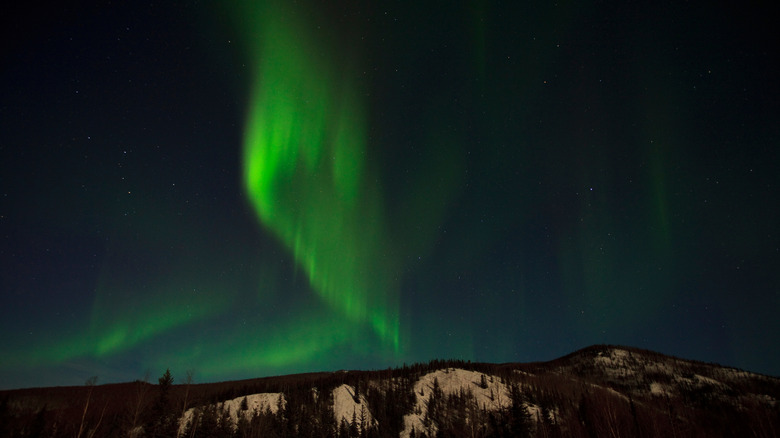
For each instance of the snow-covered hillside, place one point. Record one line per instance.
(490, 394)
(346, 408)
(596, 391)
(254, 402)
(642, 374)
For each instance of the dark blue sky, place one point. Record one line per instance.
(548, 177)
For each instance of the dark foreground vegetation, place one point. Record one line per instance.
(600, 391)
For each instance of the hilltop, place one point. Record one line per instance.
(597, 391)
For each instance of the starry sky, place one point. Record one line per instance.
(248, 188)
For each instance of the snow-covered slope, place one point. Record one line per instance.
(490, 393)
(597, 391)
(259, 402)
(639, 374)
(345, 407)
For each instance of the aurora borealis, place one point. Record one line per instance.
(255, 188)
(304, 166)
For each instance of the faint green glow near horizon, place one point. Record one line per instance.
(117, 326)
(308, 337)
(125, 318)
(306, 172)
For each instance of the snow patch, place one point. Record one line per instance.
(659, 389)
(616, 363)
(492, 396)
(259, 402)
(708, 380)
(345, 406)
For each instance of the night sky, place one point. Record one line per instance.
(247, 189)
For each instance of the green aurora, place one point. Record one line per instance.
(250, 188)
(308, 176)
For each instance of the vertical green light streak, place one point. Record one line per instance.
(305, 169)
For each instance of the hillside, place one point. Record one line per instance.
(597, 391)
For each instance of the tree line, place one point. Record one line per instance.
(541, 403)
